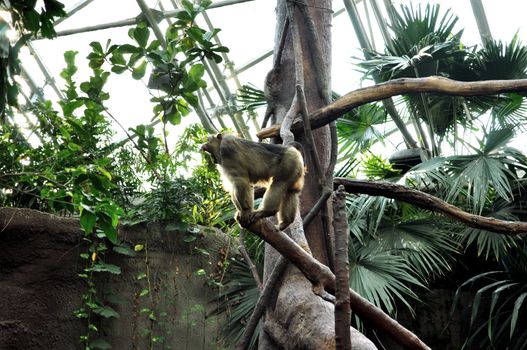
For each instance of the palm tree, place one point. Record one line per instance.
(472, 166)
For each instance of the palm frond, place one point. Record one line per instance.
(490, 244)
(359, 129)
(498, 60)
(506, 291)
(413, 27)
(365, 214)
(382, 278)
(250, 98)
(237, 301)
(426, 246)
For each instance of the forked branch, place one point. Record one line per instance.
(322, 277)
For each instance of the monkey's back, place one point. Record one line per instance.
(255, 161)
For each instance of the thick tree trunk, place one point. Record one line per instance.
(296, 318)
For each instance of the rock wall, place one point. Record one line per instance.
(40, 288)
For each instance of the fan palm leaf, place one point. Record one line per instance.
(237, 301)
(359, 129)
(381, 277)
(506, 290)
(425, 245)
(491, 244)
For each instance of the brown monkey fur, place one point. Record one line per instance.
(245, 163)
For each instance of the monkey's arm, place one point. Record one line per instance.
(243, 199)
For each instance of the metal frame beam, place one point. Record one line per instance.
(136, 20)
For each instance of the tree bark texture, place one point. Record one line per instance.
(296, 318)
(342, 294)
(322, 278)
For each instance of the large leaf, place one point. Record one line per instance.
(382, 277)
(359, 129)
(425, 245)
(238, 300)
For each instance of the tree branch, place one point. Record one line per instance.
(427, 201)
(342, 295)
(321, 276)
(248, 260)
(434, 84)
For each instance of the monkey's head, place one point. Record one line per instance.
(212, 147)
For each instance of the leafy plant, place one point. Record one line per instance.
(237, 300)
(505, 291)
(27, 21)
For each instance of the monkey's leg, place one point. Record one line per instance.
(243, 198)
(271, 200)
(288, 207)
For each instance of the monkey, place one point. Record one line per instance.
(244, 164)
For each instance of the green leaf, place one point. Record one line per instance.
(124, 250)
(119, 69)
(31, 20)
(68, 107)
(196, 34)
(102, 267)
(515, 312)
(118, 58)
(73, 146)
(127, 49)
(97, 47)
(87, 220)
(141, 34)
(139, 71)
(12, 94)
(196, 72)
(189, 239)
(106, 312)
(100, 344)
(144, 292)
(200, 272)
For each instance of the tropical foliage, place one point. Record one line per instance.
(71, 165)
(397, 250)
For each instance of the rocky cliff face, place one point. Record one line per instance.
(40, 288)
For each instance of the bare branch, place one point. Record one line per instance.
(318, 205)
(378, 92)
(320, 275)
(342, 295)
(248, 259)
(272, 281)
(310, 140)
(427, 201)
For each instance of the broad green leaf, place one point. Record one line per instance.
(141, 34)
(124, 250)
(88, 220)
(127, 49)
(102, 267)
(139, 71)
(96, 46)
(100, 344)
(106, 312)
(196, 72)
